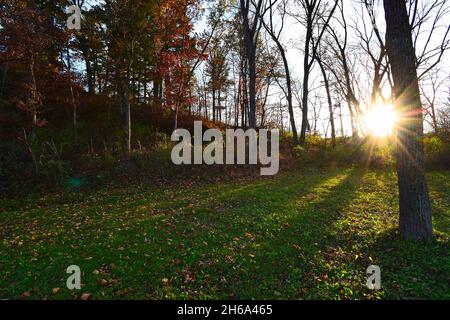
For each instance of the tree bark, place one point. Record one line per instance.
(250, 39)
(415, 208)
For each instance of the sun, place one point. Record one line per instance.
(380, 120)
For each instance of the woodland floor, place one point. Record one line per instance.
(305, 234)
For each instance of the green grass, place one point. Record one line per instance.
(302, 235)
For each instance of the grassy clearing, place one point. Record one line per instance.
(307, 235)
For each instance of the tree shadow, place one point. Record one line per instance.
(280, 227)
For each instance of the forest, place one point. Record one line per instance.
(96, 97)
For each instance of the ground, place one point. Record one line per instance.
(308, 234)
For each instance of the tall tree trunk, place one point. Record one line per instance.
(353, 122)
(330, 102)
(306, 71)
(350, 96)
(87, 61)
(252, 89)
(289, 87)
(341, 121)
(34, 96)
(415, 208)
(245, 94)
(156, 85)
(123, 94)
(434, 118)
(238, 102)
(127, 107)
(214, 104)
(250, 53)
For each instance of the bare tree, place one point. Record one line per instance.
(343, 75)
(431, 87)
(415, 208)
(326, 82)
(427, 20)
(276, 37)
(315, 16)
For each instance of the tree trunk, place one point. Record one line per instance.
(434, 118)
(415, 208)
(289, 88)
(123, 94)
(252, 89)
(2, 87)
(87, 61)
(214, 104)
(156, 85)
(351, 99)
(245, 94)
(127, 116)
(341, 120)
(306, 71)
(250, 53)
(330, 103)
(34, 97)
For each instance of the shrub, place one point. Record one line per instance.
(437, 152)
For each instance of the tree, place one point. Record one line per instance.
(217, 70)
(251, 23)
(28, 39)
(125, 27)
(326, 82)
(176, 54)
(343, 77)
(431, 96)
(315, 16)
(275, 36)
(415, 208)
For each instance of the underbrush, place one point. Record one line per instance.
(370, 151)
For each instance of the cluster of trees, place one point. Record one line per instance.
(237, 70)
(134, 51)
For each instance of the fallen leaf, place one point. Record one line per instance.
(103, 282)
(27, 294)
(86, 296)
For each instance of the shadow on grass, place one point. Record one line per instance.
(309, 235)
(263, 245)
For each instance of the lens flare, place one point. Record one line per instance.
(380, 120)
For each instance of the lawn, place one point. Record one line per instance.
(307, 234)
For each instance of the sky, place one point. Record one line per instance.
(293, 37)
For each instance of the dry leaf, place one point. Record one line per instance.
(86, 296)
(103, 282)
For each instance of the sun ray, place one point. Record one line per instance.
(380, 120)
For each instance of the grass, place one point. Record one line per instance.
(302, 235)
